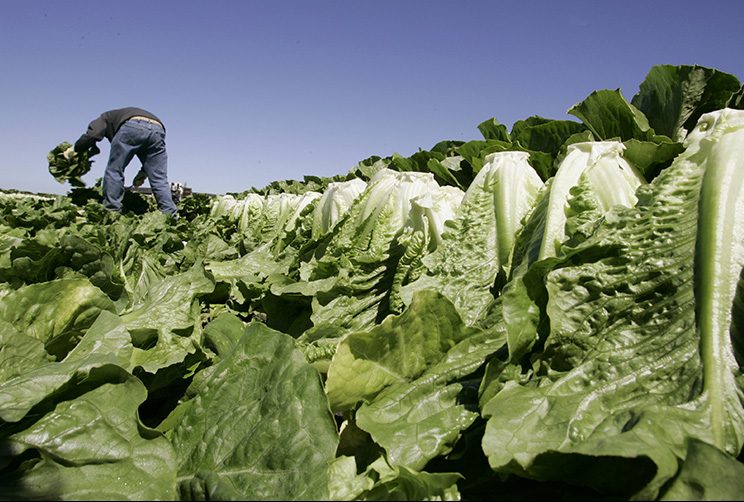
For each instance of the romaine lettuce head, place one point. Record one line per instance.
(334, 203)
(646, 321)
(69, 168)
(594, 166)
(477, 243)
(430, 212)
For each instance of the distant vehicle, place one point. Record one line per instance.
(178, 191)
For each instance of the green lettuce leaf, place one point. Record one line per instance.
(164, 321)
(106, 343)
(673, 98)
(264, 416)
(92, 447)
(57, 312)
(706, 474)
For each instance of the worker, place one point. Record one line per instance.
(131, 131)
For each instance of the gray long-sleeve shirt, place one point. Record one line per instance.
(106, 125)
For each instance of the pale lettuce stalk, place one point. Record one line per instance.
(334, 203)
(477, 243)
(221, 205)
(602, 166)
(242, 210)
(272, 229)
(288, 207)
(257, 213)
(349, 280)
(378, 216)
(393, 191)
(515, 187)
(248, 208)
(430, 214)
(430, 211)
(720, 137)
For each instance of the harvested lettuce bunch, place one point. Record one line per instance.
(69, 167)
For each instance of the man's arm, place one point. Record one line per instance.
(93, 135)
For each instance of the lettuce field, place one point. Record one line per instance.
(555, 311)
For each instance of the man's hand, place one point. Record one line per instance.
(69, 153)
(139, 179)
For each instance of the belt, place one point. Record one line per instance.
(146, 119)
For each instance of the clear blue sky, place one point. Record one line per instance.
(253, 91)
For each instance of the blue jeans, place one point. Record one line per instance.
(147, 141)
